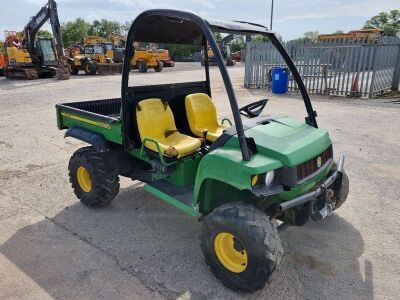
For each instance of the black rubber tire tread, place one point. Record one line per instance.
(73, 69)
(105, 182)
(160, 66)
(92, 68)
(258, 236)
(142, 66)
(229, 62)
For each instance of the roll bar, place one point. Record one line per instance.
(179, 27)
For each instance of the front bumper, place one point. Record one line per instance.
(321, 190)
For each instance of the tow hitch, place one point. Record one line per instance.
(328, 208)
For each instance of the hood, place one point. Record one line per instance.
(288, 140)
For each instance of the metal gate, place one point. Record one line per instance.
(343, 68)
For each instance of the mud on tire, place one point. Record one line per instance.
(104, 181)
(258, 236)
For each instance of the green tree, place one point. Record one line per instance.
(238, 45)
(104, 27)
(2, 50)
(388, 22)
(75, 31)
(307, 37)
(259, 39)
(43, 33)
(311, 36)
(217, 36)
(181, 50)
(124, 28)
(339, 31)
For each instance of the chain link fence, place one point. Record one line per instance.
(343, 68)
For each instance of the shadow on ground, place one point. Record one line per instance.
(328, 257)
(156, 243)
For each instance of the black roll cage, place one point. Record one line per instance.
(206, 27)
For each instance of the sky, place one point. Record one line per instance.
(291, 18)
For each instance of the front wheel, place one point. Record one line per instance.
(142, 66)
(72, 69)
(159, 67)
(94, 183)
(241, 246)
(90, 68)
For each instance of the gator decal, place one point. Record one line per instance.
(91, 122)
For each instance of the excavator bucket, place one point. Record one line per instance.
(109, 68)
(63, 73)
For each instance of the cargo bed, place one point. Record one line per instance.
(100, 116)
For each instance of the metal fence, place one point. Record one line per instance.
(330, 67)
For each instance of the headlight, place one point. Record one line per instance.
(269, 177)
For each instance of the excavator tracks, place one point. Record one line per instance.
(29, 74)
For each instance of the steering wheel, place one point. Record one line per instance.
(254, 109)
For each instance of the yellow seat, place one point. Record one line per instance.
(156, 121)
(202, 115)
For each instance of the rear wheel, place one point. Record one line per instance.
(160, 66)
(94, 183)
(229, 62)
(241, 246)
(142, 66)
(90, 67)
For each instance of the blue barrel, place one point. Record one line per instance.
(280, 80)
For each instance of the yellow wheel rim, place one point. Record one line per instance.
(84, 180)
(87, 67)
(230, 252)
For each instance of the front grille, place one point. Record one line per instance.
(309, 167)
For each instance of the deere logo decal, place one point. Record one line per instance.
(319, 162)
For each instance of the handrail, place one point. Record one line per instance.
(145, 140)
(226, 119)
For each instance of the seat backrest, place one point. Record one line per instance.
(201, 112)
(154, 118)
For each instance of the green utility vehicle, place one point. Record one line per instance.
(241, 179)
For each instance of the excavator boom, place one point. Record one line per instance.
(30, 44)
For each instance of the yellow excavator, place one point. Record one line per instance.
(163, 56)
(108, 47)
(29, 56)
(96, 56)
(143, 60)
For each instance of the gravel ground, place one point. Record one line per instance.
(51, 246)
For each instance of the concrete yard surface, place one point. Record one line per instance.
(52, 246)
